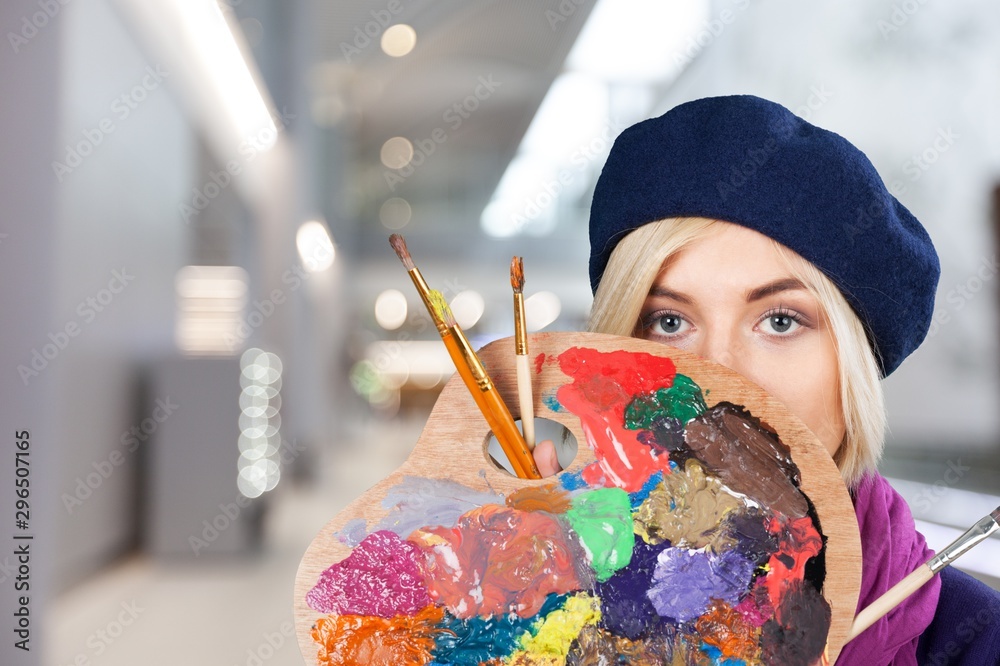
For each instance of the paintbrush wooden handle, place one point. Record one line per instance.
(526, 398)
(895, 596)
(510, 438)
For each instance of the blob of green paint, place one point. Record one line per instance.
(602, 519)
(683, 400)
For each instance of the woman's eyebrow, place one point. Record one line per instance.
(777, 286)
(663, 292)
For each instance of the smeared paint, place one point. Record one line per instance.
(359, 640)
(638, 497)
(750, 529)
(756, 607)
(539, 362)
(572, 481)
(604, 383)
(725, 629)
(602, 519)
(797, 636)
(475, 640)
(748, 457)
(498, 560)
(561, 627)
(682, 400)
(687, 509)
(353, 532)
(552, 402)
(420, 502)
(626, 609)
(549, 497)
(381, 577)
(686, 581)
(799, 541)
(599, 647)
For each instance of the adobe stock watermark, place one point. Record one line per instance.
(212, 528)
(30, 25)
(129, 442)
(920, 163)
(710, 30)
(930, 495)
(271, 643)
(121, 108)
(900, 15)
(371, 32)
(455, 115)
(264, 308)
(972, 625)
(562, 13)
(548, 192)
(756, 157)
(218, 181)
(962, 293)
(104, 637)
(86, 312)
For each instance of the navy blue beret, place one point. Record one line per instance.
(752, 162)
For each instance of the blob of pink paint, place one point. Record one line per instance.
(382, 576)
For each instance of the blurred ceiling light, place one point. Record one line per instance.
(210, 305)
(207, 36)
(574, 111)
(468, 307)
(397, 152)
(524, 200)
(398, 40)
(315, 246)
(390, 309)
(541, 309)
(660, 34)
(395, 213)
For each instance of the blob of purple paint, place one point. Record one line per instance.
(382, 577)
(686, 581)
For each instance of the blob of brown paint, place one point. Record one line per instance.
(748, 457)
(363, 640)
(687, 509)
(725, 628)
(596, 646)
(550, 497)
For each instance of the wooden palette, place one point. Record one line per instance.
(453, 448)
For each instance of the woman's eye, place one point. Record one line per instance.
(668, 324)
(781, 323)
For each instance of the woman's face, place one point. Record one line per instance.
(730, 297)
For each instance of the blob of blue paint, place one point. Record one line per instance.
(553, 403)
(475, 640)
(572, 481)
(640, 495)
(625, 608)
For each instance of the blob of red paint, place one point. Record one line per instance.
(603, 384)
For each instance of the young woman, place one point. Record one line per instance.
(731, 228)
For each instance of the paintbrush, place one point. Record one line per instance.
(471, 369)
(524, 393)
(904, 588)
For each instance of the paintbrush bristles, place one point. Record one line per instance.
(399, 245)
(996, 515)
(517, 274)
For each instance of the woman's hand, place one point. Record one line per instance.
(545, 458)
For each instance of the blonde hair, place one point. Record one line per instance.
(639, 258)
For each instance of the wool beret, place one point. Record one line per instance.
(749, 161)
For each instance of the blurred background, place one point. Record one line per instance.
(212, 348)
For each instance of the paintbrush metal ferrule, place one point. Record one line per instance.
(975, 535)
(520, 328)
(472, 361)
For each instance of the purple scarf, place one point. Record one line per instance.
(890, 549)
